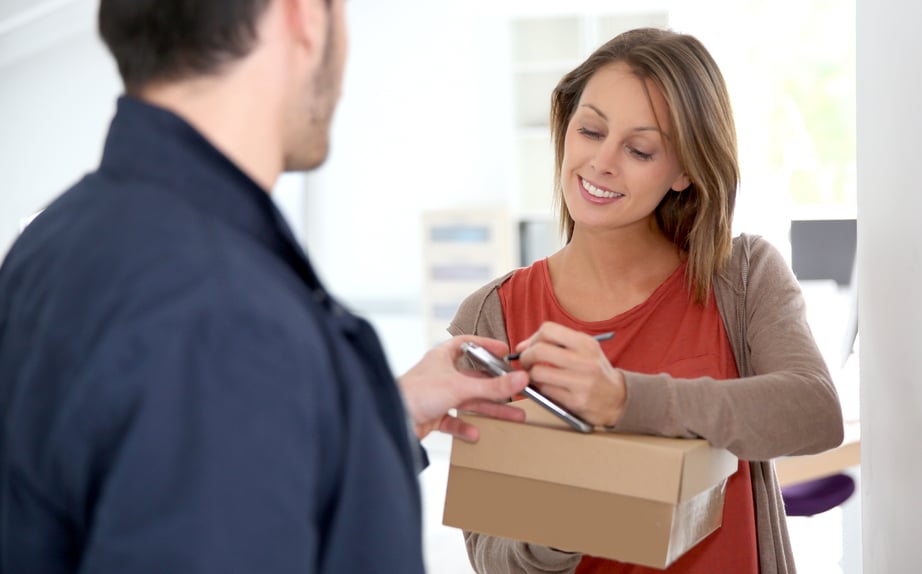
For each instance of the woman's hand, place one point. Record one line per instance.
(436, 384)
(569, 367)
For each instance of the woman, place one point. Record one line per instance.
(711, 336)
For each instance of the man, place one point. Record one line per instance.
(178, 392)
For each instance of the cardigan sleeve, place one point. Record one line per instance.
(492, 555)
(481, 313)
(789, 405)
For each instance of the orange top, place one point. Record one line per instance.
(667, 333)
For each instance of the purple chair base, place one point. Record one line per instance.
(816, 496)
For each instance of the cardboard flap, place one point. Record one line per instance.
(654, 468)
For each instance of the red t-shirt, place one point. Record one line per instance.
(667, 333)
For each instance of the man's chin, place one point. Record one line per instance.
(306, 161)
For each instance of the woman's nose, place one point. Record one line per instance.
(605, 160)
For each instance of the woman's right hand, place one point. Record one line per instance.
(569, 367)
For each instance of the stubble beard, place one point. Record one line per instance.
(309, 141)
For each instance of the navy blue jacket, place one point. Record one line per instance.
(179, 394)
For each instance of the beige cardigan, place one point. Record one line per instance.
(785, 402)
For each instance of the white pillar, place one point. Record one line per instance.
(890, 281)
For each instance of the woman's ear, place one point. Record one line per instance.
(681, 183)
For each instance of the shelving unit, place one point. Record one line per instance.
(463, 250)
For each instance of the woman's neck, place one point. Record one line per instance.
(598, 275)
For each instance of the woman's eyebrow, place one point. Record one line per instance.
(602, 115)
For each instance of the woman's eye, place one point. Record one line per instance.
(590, 134)
(639, 154)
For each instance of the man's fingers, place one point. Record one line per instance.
(460, 429)
(495, 388)
(481, 402)
(497, 348)
(494, 410)
(476, 373)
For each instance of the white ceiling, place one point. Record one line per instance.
(15, 13)
(27, 26)
(10, 8)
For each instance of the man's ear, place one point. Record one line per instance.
(307, 22)
(681, 183)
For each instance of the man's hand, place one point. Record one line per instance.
(436, 384)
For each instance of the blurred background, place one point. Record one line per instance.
(440, 173)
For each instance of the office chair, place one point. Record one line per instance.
(817, 496)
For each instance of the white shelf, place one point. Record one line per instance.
(463, 249)
(538, 40)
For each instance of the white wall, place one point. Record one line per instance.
(890, 272)
(416, 130)
(57, 92)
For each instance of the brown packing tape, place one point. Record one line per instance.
(695, 519)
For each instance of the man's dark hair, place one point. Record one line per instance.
(163, 40)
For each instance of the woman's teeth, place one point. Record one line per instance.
(597, 192)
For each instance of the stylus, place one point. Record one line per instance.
(599, 337)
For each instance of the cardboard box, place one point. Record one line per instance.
(639, 499)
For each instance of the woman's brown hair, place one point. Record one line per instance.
(698, 219)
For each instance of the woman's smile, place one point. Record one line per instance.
(597, 194)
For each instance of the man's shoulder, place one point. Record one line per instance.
(97, 252)
(101, 217)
